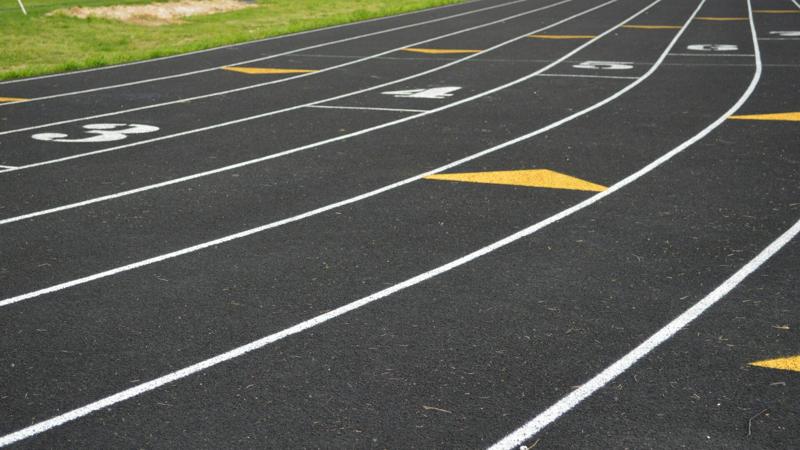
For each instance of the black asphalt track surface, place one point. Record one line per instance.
(466, 356)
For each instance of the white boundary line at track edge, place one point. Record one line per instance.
(568, 402)
(320, 210)
(257, 41)
(211, 69)
(296, 149)
(322, 318)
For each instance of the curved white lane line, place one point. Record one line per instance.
(304, 147)
(106, 402)
(210, 69)
(240, 44)
(551, 414)
(320, 210)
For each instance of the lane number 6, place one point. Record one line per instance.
(99, 132)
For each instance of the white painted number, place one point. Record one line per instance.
(100, 132)
(604, 65)
(440, 92)
(713, 47)
(786, 33)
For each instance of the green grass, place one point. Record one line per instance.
(37, 44)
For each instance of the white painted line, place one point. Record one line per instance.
(2, 166)
(389, 187)
(317, 102)
(308, 146)
(749, 55)
(249, 61)
(779, 39)
(106, 402)
(366, 108)
(240, 44)
(569, 75)
(551, 414)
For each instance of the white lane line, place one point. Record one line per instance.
(240, 44)
(367, 108)
(779, 39)
(2, 166)
(389, 187)
(551, 414)
(106, 402)
(749, 55)
(330, 99)
(569, 75)
(254, 86)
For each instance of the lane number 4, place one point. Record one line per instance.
(99, 132)
(440, 92)
(604, 65)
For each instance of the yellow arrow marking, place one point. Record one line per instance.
(540, 178)
(265, 70)
(12, 99)
(653, 27)
(721, 19)
(561, 36)
(439, 51)
(789, 363)
(788, 116)
(777, 11)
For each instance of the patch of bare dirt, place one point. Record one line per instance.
(155, 14)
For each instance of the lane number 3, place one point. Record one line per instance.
(99, 132)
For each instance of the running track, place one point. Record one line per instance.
(270, 245)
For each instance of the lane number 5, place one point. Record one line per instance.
(99, 132)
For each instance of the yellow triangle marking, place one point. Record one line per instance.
(265, 70)
(788, 363)
(653, 27)
(777, 11)
(721, 19)
(440, 51)
(12, 99)
(540, 178)
(561, 36)
(787, 116)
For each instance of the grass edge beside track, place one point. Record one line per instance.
(103, 57)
